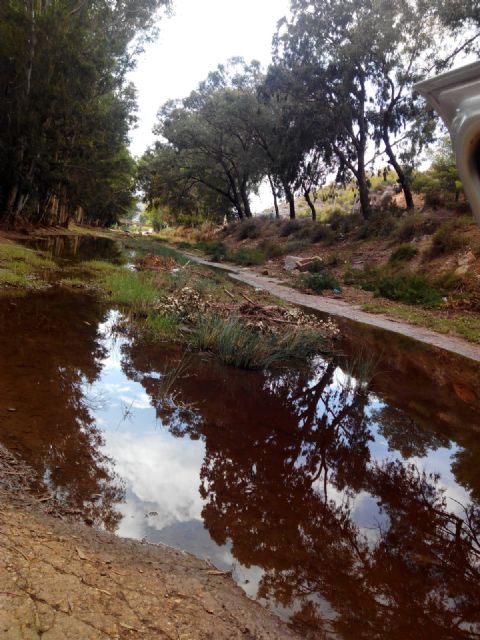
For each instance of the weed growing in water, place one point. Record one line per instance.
(131, 288)
(247, 348)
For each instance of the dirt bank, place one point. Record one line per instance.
(344, 309)
(63, 580)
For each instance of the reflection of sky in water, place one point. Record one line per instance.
(162, 473)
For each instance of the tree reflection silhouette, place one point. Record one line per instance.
(288, 466)
(51, 350)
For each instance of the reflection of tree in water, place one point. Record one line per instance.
(52, 351)
(287, 464)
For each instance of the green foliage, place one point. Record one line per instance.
(247, 257)
(407, 288)
(217, 251)
(403, 253)
(161, 326)
(441, 183)
(66, 108)
(320, 281)
(380, 224)
(249, 229)
(22, 267)
(137, 291)
(320, 232)
(247, 348)
(447, 240)
(289, 227)
(316, 266)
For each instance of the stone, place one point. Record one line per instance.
(300, 264)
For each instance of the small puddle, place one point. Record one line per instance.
(349, 509)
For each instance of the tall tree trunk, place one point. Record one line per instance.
(306, 195)
(361, 148)
(402, 178)
(363, 184)
(246, 202)
(291, 200)
(274, 194)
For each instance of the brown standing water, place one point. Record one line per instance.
(344, 495)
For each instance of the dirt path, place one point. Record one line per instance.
(60, 580)
(343, 309)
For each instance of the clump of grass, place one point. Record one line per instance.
(380, 224)
(320, 281)
(289, 227)
(22, 268)
(408, 288)
(98, 266)
(10, 253)
(322, 233)
(446, 240)
(10, 279)
(217, 251)
(464, 326)
(249, 229)
(247, 257)
(130, 288)
(161, 326)
(316, 266)
(403, 253)
(413, 225)
(247, 348)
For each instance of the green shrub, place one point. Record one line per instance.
(380, 224)
(343, 223)
(316, 266)
(304, 232)
(289, 227)
(249, 229)
(332, 261)
(413, 225)
(320, 232)
(449, 281)
(320, 281)
(217, 251)
(247, 257)
(407, 288)
(446, 240)
(403, 253)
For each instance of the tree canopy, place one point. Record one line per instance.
(338, 94)
(66, 107)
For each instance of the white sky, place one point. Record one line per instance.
(199, 35)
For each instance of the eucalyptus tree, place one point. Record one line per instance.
(173, 183)
(355, 62)
(65, 105)
(211, 131)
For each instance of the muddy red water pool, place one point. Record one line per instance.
(344, 495)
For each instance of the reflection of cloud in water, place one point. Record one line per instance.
(137, 401)
(161, 475)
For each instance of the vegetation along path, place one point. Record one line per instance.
(344, 309)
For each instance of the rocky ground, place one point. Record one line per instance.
(62, 580)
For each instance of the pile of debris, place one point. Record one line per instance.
(188, 303)
(156, 263)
